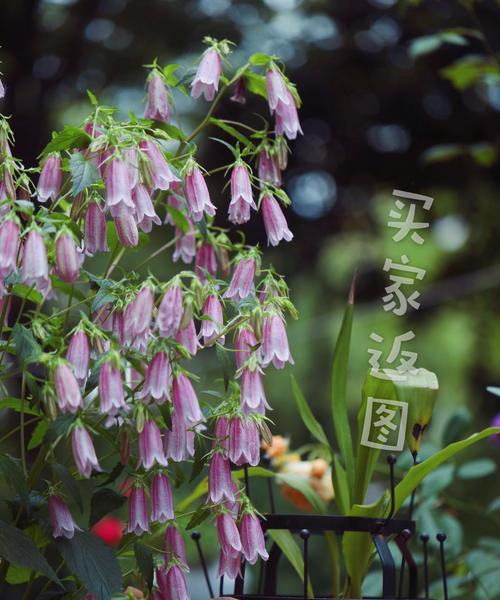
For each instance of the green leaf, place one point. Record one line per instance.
(83, 173)
(17, 575)
(144, 559)
(285, 540)
(200, 514)
(232, 131)
(456, 426)
(59, 426)
(424, 45)
(67, 139)
(475, 469)
(14, 476)
(104, 501)
(69, 482)
(19, 549)
(340, 367)
(340, 485)
(302, 485)
(307, 416)
(174, 132)
(179, 218)
(255, 83)
(26, 293)
(483, 153)
(259, 59)
(468, 70)
(38, 435)
(27, 348)
(93, 563)
(15, 404)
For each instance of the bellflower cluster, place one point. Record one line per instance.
(106, 345)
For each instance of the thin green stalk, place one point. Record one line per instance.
(22, 424)
(333, 549)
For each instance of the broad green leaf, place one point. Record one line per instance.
(340, 368)
(15, 404)
(201, 514)
(26, 293)
(17, 575)
(59, 426)
(308, 418)
(144, 559)
(259, 59)
(255, 83)
(83, 173)
(285, 540)
(340, 486)
(19, 549)
(232, 131)
(301, 485)
(468, 70)
(14, 476)
(69, 482)
(27, 348)
(67, 139)
(95, 565)
(104, 501)
(475, 469)
(38, 434)
(179, 218)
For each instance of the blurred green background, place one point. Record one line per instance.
(396, 94)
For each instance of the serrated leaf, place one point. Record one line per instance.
(144, 560)
(104, 501)
(93, 563)
(19, 549)
(59, 426)
(27, 348)
(67, 139)
(83, 173)
(255, 83)
(38, 435)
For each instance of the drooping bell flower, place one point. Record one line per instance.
(111, 393)
(69, 258)
(78, 355)
(34, 265)
(287, 121)
(206, 80)
(49, 184)
(241, 195)
(69, 397)
(62, 521)
(229, 565)
(145, 213)
(242, 281)
(221, 433)
(239, 94)
(185, 245)
(170, 311)
(118, 182)
(138, 521)
(150, 446)
(244, 342)
(162, 505)
(252, 538)
(244, 441)
(253, 397)
(174, 547)
(268, 169)
(278, 94)
(95, 230)
(179, 441)
(206, 261)
(118, 327)
(274, 221)
(197, 194)
(157, 379)
(186, 336)
(227, 533)
(139, 312)
(157, 105)
(158, 171)
(185, 400)
(131, 159)
(220, 484)
(126, 227)
(9, 248)
(172, 582)
(275, 342)
(214, 323)
(83, 452)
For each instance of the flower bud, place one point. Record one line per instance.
(174, 547)
(186, 336)
(157, 106)
(227, 533)
(111, 394)
(268, 169)
(126, 227)
(244, 342)
(206, 261)
(9, 248)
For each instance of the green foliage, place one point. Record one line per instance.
(285, 540)
(84, 173)
(67, 139)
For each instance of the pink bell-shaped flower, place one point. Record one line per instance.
(83, 452)
(150, 446)
(62, 521)
(139, 312)
(275, 342)
(229, 564)
(69, 397)
(78, 355)
(274, 221)
(145, 213)
(157, 379)
(278, 94)
(244, 342)
(287, 121)
(111, 393)
(244, 441)
(49, 184)
(126, 226)
(227, 533)
(157, 105)
(138, 521)
(197, 195)
(220, 483)
(118, 182)
(268, 169)
(69, 258)
(186, 336)
(174, 547)
(241, 195)
(95, 230)
(9, 248)
(185, 245)
(242, 281)
(162, 505)
(185, 400)
(179, 441)
(214, 324)
(206, 261)
(206, 80)
(170, 311)
(252, 538)
(157, 167)
(253, 397)
(172, 582)
(34, 266)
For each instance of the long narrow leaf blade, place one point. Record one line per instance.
(339, 381)
(306, 413)
(285, 540)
